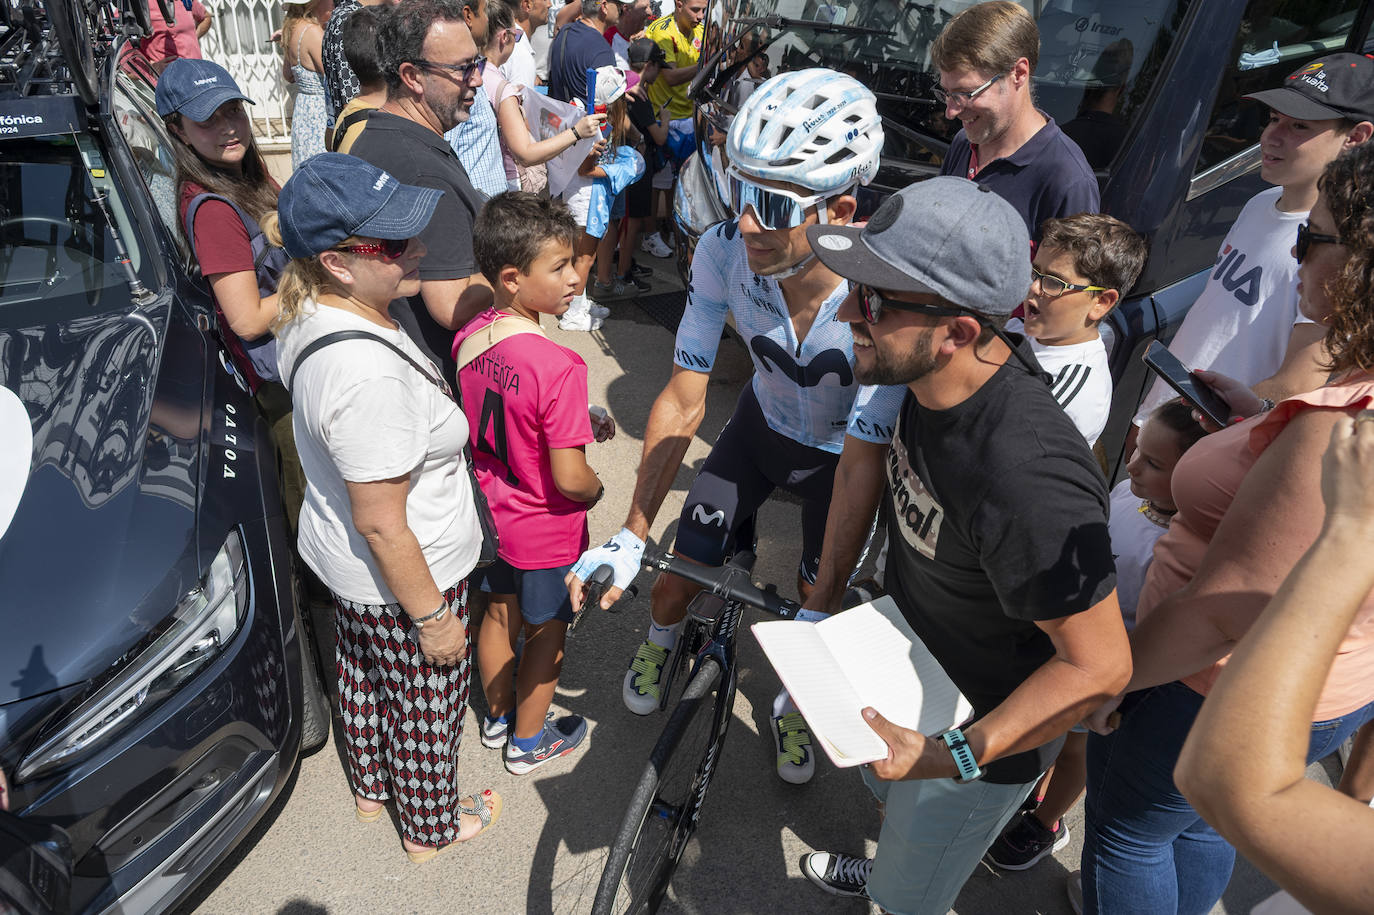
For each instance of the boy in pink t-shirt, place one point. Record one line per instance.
(526, 401)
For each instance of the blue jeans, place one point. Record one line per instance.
(1146, 850)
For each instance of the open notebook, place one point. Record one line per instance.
(861, 657)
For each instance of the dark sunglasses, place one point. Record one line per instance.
(462, 71)
(389, 249)
(1307, 238)
(872, 302)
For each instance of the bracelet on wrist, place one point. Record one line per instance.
(1266, 405)
(434, 617)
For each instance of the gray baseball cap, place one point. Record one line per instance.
(947, 236)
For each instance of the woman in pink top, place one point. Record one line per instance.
(1249, 505)
(168, 42)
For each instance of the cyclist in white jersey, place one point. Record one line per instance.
(798, 148)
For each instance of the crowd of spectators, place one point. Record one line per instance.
(1125, 640)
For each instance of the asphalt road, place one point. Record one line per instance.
(545, 855)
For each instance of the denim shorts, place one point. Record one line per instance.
(540, 592)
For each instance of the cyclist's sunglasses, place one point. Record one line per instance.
(774, 208)
(872, 302)
(388, 249)
(1307, 238)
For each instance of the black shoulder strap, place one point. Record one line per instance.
(339, 336)
(343, 126)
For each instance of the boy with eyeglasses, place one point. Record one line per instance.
(1082, 268)
(1246, 323)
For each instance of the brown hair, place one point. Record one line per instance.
(1104, 249)
(1347, 186)
(513, 228)
(989, 38)
(1177, 415)
(252, 188)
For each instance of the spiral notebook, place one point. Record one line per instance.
(866, 656)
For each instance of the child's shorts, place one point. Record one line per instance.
(541, 592)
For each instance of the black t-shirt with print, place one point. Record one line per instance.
(998, 518)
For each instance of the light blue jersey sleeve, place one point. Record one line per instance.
(703, 320)
(874, 415)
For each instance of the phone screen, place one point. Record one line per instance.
(1166, 365)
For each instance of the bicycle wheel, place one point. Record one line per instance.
(70, 25)
(667, 801)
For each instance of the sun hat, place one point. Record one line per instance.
(946, 236)
(333, 196)
(610, 85)
(195, 88)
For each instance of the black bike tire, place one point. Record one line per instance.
(78, 50)
(693, 703)
(139, 10)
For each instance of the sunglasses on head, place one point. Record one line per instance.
(389, 249)
(774, 208)
(1307, 238)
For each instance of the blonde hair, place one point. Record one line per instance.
(303, 279)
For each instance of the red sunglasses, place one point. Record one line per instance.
(389, 249)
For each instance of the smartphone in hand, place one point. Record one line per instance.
(1166, 365)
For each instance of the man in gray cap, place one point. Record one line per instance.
(997, 520)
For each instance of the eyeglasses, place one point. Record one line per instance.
(872, 302)
(462, 71)
(1054, 287)
(1307, 238)
(774, 208)
(388, 249)
(963, 98)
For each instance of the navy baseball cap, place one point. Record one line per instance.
(1336, 86)
(196, 88)
(333, 196)
(946, 236)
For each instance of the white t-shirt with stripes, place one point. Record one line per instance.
(1082, 380)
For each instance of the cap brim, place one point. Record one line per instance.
(204, 106)
(1295, 105)
(842, 250)
(404, 215)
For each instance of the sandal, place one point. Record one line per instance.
(368, 816)
(486, 807)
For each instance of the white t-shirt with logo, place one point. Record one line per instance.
(1241, 324)
(363, 414)
(1082, 380)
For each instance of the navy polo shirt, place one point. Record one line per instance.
(1047, 177)
(576, 49)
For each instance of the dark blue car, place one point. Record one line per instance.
(1151, 90)
(156, 681)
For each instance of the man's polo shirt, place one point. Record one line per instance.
(1046, 177)
(414, 154)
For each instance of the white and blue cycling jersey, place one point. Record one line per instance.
(806, 388)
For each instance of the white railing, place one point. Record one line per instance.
(238, 41)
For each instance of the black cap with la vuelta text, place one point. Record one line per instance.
(1335, 86)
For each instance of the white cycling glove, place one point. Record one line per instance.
(810, 616)
(622, 553)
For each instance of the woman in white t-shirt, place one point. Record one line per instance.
(388, 523)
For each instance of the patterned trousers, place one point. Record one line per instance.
(403, 717)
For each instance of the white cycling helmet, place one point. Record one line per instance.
(817, 128)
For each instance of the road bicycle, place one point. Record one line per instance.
(666, 806)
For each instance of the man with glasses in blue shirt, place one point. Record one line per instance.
(798, 148)
(986, 56)
(432, 69)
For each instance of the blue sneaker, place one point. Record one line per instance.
(560, 737)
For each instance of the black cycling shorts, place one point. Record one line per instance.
(747, 462)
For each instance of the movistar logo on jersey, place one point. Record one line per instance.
(701, 516)
(771, 356)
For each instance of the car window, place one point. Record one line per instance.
(152, 149)
(1275, 38)
(1097, 63)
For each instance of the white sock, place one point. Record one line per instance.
(664, 636)
(782, 704)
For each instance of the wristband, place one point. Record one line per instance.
(577, 137)
(963, 756)
(420, 621)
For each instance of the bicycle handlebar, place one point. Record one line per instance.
(729, 582)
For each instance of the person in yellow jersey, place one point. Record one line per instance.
(679, 35)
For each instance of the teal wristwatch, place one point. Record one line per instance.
(963, 756)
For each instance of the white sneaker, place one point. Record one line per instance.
(654, 246)
(597, 309)
(579, 316)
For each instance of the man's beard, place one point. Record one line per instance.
(900, 368)
(451, 114)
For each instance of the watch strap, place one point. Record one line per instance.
(963, 755)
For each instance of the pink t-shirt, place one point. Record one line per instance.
(523, 397)
(1205, 482)
(179, 40)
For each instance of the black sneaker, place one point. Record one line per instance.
(840, 875)
(1024, 842)
(639, 269)
(631, 279)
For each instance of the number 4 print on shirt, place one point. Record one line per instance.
(491, 432)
